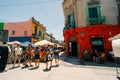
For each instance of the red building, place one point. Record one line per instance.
(89, 37)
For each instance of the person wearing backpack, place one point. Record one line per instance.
(48, 59)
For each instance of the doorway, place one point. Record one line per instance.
(97, 43)
(73, 49)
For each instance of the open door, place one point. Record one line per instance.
(73, 49)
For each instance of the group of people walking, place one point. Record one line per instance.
(40, 53)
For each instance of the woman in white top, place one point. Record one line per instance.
(18, 52)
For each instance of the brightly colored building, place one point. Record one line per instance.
(30, 30)
(1, 25)
(89, 24)
(50, 38)
(38, 31)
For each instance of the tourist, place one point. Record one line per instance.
(42, 54)
(56, 55)
(18, 53)
(37, 56)
(29, 51)
(48, 59)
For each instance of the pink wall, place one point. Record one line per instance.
(19, 28)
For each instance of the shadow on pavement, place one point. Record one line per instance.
(77, 61)
(33, 68)
(3, 71)
(13, 68)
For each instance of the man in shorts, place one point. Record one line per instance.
(29, 51)
(18, 53)
(56, 55)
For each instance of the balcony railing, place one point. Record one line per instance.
(35, 36)
(93, 21)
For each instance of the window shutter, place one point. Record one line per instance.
(98, 12)
(87, 14)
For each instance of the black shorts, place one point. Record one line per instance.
(49, 57)
(28, 56)
(36, 56)
(56, 55)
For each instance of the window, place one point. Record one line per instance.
(35, 29)
(93, 12)
(13, 32)
(70, 21)
(41, 33)
(25, 32)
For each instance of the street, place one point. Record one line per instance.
(66, 71)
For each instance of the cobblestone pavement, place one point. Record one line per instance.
(66, 71)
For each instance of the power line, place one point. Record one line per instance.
(24, 4)
(47, 16)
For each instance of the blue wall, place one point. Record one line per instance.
(20, 39)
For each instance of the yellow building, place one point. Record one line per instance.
(38, 31)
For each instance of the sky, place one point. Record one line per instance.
(47, 12)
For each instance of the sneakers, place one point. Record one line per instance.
(50, 68)
(13, 66)
(57, 65)
(31, 65)
(26, 66)
(46, 69)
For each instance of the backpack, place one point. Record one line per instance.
(49, 57)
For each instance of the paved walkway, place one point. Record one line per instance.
(66, 71)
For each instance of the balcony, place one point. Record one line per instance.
(93, 21)
(70, 25)
(35, 36)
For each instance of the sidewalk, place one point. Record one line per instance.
(66, 71)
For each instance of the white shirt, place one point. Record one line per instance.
(18, 51)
